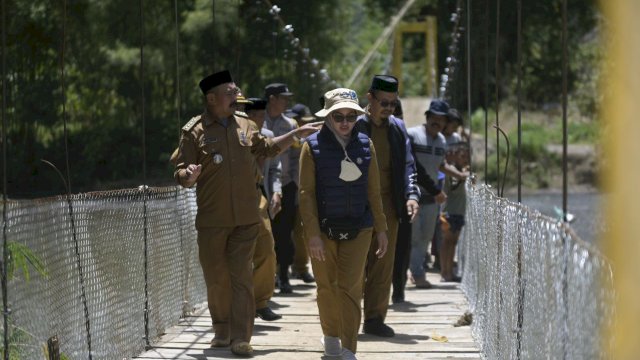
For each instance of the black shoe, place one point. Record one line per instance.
(397, 299)
(306, 277)
(267, 314)
(378, 328)
(285, 287)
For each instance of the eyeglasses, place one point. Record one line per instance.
(338, 117)
(387, 103)
(227, 92)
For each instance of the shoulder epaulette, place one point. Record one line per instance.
(194, 120)
(242, 114)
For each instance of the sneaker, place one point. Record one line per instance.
(454, 278)
(422, 283)
(267, 314)
(242, 348)
(378, 328)
(348, 355)
(306, 277)
(332, 346)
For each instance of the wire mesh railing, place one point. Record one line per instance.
(109, 230)
(536, 290)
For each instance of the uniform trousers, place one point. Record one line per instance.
(339, 279)
(226, 255)
(422, 232)
(401, 262)
(301, 256)
(379, 272)
(264, 259)
(282, 229)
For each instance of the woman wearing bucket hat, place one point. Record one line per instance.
(340, 206)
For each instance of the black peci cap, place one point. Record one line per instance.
(213, 80)
(385, 83)
(256, 104)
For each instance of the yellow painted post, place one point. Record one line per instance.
(428, 28)
(621, 114)
(397, 56)
(432, 56)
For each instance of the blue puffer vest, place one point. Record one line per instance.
(339, 199)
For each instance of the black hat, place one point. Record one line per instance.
(213, 80)
(256, 104)
(386, 83)
(438, 107)
(300, 111)
(454, 115)
(276, 89)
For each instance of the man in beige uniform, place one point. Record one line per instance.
(397, 188)
(269, 173)
(218, 152)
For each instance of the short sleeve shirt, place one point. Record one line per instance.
(429, 151)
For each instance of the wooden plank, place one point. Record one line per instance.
(428, 315)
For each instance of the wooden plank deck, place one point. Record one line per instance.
(426, 316)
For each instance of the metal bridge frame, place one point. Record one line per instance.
(429, 28)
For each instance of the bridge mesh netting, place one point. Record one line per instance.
(107, 272)
(536, 290)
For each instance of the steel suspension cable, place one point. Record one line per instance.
(5, 250)
(566, 247)
(486, 93)
(468, 56)
(520, 295)
(178, 99)
(145, 188)
(565, 64)
(497, 91)
(519, 95)
(67, 182)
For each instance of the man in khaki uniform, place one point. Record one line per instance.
(218, 151)
(397, 188)
(269, 173)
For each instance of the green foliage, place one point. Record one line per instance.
(109, 93)
(17, 338)
(20, 257)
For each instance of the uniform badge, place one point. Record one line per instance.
(359, 161)
(217, 159)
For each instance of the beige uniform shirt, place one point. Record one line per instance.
(226, 188)
(309, 204)
(380, 139)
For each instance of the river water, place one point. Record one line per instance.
(587, 207)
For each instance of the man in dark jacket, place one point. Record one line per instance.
(399, 194)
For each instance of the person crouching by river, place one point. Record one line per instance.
(340, 206)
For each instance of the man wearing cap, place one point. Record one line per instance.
(429, 147)
(300, 269)
(399, 194)
(277, 96)
(218, 152)
(270, 187)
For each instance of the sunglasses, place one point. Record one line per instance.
(337, 117)
(386, 103)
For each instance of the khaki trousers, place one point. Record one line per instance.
(301, 256)
(264, 259)
(379, 272)
(339, 281)
(225, 255)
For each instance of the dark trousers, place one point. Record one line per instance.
(401, 263)
(282, 227)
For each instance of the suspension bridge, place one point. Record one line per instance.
(115, 274)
